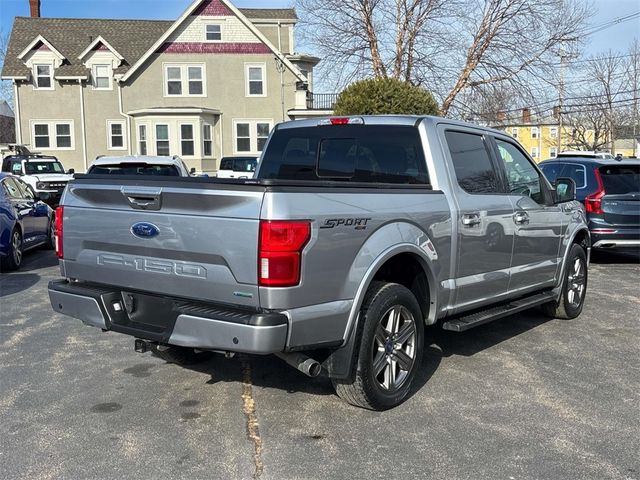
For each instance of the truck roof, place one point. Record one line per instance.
(136, 159)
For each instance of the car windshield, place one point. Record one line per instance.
(621, 179)
(34, 167)
(134, 169)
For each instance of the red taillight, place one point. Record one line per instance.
(280, 252)
(58, 231)
(339, 121)
(593, 202)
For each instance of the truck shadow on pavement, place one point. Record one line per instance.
(16, 283)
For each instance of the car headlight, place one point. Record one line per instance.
(41, 186)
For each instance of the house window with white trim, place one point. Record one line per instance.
(553, 132)
(514, 132)
(207, 141)
(255, 80)
(102, 77)
(63, 135)
(534, 152)
(43, 76)
(41, 135)
(553, 152)
(214, 32)
(534, 132)
(187, 143)
(142, 139)
(115, 134)
(251, 135)
(52, 135)
(162, 140)
(184, 80)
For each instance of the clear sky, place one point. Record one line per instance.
(617, 37)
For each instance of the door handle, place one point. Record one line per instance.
(471, 219)
(521, 218)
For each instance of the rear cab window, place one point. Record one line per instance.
(357, 153)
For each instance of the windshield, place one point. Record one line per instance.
(135, 169)
(621, 179)
(35, 168)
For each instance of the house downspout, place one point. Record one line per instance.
(127, 117)
(221, 142)
(83, 126)
(18, 125)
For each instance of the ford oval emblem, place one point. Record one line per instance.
(145, 230)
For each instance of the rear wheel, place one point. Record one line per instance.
(389, 351)
(180, 355)
(50, 244)
(13, 260)
(574, 287)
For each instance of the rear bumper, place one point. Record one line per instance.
(620, 238)
(170, 321)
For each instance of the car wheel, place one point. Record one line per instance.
(50, 244)
(389, 351)
(574, 287)
(180, 355)
(13, 260)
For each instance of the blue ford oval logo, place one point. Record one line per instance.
(145, 230)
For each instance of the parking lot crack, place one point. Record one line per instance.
(249, 408)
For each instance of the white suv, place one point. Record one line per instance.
(45, 174)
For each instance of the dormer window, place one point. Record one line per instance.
(102, 77)
(43, 77)
(214, 32)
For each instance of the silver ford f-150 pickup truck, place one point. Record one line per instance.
(354, 235)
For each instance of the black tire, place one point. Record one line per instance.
(366, 390)
(568, 307)
(180, 355)
(13, 260)
(50, 244)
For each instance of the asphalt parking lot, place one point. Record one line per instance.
(522, 398)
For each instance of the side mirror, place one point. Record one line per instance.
(71, 171)
(565, 190)
(192, 171)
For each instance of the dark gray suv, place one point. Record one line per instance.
(610, 192)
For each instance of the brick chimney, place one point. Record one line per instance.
(526, 115)
(501, 116)
(34, 5)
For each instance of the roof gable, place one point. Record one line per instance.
(37, 44)
(96, 45)
(217, 8)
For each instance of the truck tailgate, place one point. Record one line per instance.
(187, 239)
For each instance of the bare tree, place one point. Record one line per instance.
(447, 46)
(588, 130)
(6, 90)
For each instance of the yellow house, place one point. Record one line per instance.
(540, 138)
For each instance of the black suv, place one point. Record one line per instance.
(610, 191)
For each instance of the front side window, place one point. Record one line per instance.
(184, 80)
(63, 135)
(116, 135)
(43, 76)
(11, 188)
(472, 163)
(207, 141)
(41, 135)
(186, 140)
(522, 177)
(142, 139)
(102, 77)
(162, 140)
(255, 80)
(214, 32)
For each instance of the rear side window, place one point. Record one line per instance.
(472, 164)
(226, 164)
(576, 172)
(551, 171)
(358, 153)
(621, 179)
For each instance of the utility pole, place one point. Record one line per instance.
(561, 95)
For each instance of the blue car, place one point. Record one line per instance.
(610, 192)
(26, 222)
